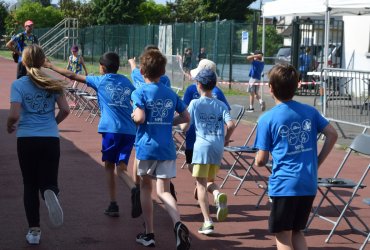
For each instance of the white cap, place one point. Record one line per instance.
(203, 64)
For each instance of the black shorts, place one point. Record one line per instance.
(189, 155)
(289, 213)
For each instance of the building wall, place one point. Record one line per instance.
(357, 42)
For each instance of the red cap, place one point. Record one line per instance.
(28, 23)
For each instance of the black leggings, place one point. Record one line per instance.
(39, 161)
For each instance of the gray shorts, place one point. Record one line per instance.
(157, 169)
(253, 85)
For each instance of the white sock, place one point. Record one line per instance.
(251, 106)
(261, 101)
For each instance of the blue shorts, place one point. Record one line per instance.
(117, 147)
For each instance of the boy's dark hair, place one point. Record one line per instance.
(152, 64)
(284, 81)
(110, 60)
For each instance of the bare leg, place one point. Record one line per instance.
(164, 194)
(299, 241)
(135, 177)
(284, 240)
(251, 99)
(122, 173)
(109, 170)
(146, 202)
(203, 197)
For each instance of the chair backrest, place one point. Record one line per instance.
(361, 144)
(237, 112)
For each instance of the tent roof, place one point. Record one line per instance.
(316, 7)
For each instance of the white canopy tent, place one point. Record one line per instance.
(325, 8)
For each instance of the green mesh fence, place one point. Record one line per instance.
(221, 39)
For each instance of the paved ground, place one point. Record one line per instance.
(84, 198)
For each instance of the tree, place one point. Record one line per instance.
(209, 10)
(42, 16)
(116, 11)
(150, 12)
(273, 40)
(3, 15)
(80, 10)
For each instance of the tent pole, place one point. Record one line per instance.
(263, 51)
(326, 53)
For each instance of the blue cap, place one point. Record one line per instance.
(206, 77)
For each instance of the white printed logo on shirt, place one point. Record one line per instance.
(297, 135)
(159, 110)
(118, 94)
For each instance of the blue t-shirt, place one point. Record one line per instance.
(114, 92)
(256, 69)
(190, 94)
(37, 116)
(289, 132)
(208, 116)
(154, 137)
(304, 62)
(138, 79)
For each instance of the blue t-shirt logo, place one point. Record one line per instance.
(38, 102)
(118, 94)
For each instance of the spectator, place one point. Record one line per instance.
(17, 44)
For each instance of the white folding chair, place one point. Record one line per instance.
(243, 164)
(330, 189)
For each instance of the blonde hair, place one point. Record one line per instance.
(33, 58)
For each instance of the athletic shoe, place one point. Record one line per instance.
(54, 208)
(146, 239)
(136, 210)
(112, 210)
(263, 106)
(250, 110)
(33, 236)
(221, 204)
(206, 228)
(172, 190)
(182, 236)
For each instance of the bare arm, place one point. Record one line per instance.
(183, 117)
(64, 72)
(11, 46)
(63, 109)
(13, 117)
(230, 127)
(138, 116)
(132, 63)
(331, 137)
(262, 158)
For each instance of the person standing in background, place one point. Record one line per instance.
(18, 42)
(201, 55)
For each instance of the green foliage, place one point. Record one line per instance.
(209, 10)
(150, 12)
(3, 15)
(80, 10)
(41, 16)
(116, 11)
(273, 40)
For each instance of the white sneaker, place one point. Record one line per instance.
(221, 204)
(33, 236)
(55, 211)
